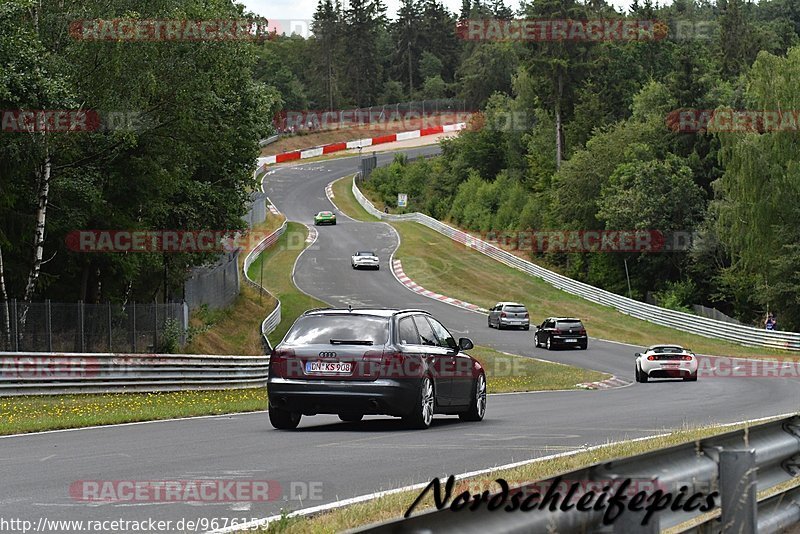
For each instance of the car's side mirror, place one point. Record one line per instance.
(638, 354)
(465, 343)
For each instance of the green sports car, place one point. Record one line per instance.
(324, 217)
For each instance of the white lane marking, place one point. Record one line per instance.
(297, 259)
(95, 427)
(362, 498)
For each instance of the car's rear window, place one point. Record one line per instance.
(321, 329)
(569, 324)
(668, 350)
(515, 309)
(363, 253)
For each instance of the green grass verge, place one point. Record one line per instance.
(52, 412)
(278, 265)
(344, 199)
(235, 329)
(394, 506)
(440, 264)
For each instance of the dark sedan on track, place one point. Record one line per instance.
(561, 332)
(354, 362)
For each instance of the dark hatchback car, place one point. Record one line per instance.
(356, 362)
(561, 332)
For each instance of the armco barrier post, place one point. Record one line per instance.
(737, 485)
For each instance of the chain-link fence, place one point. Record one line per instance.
(79, 327)
(257, 212)
(215, 285)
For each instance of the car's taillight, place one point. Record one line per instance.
(527, 316)
(372, 363)
(583, 331)
(392, 365)
(686, 358)
(503, 314)
(557, 331)
(278, 361)
(652, 358)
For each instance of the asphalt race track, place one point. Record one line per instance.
(350, 459)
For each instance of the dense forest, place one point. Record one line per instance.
(182, 157)
(593, 148)
(602, 149)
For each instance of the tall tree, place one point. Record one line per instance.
(735, 37)
(760, 188)
(325, 44)
(559, 64)
(363, 21)
(406, 33)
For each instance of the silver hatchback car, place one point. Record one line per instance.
(509, 315)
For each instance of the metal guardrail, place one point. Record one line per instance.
(686, 322)
(274, 318)
(50, 373)
(269, 140)
(736, 464)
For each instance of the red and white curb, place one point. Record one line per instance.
(358, 143)
(312, 235)
(329, 191)
(397, 269)
(609, 383)
(273, 210)
(402, 277)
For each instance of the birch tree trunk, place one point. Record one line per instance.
(43, 190)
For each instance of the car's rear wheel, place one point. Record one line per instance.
(690, 378)
(477, 405)
(584, 346)
(489, 321)
(284, 419)
(421, 415)
(536, 341)
(351, 417)
(526, 327)
(643, 377)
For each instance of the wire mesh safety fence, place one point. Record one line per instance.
(215, 286)
(81, 327)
